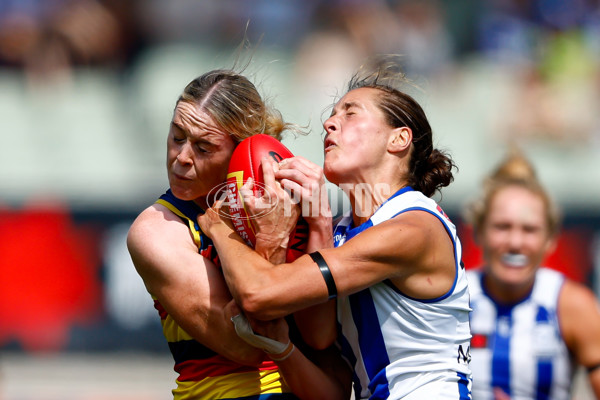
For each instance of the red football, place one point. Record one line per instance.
(246, 163)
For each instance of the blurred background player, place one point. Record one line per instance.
(531, 326)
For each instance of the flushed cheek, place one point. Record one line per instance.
(495, 253)
(494, 243)
(213, 173)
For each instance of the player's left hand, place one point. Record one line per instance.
(213, 218)
(306, 181)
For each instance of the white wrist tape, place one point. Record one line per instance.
(244, 331)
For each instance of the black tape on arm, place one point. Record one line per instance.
(331, 288)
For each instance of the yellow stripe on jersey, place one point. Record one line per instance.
(231, 386)
(173, 332)
(191, 223)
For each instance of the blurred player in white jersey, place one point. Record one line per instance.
(531, 326)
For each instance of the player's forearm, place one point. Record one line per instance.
(317, 324)
(208, 322)
(223, 336)
(272, 250)
(320, 234)
(594, 379)
(245, 271)
(297, 370)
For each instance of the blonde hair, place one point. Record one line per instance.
(235, 104)
(514, 170)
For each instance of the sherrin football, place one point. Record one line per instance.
(246, 163)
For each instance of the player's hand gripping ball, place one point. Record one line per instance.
(246, 163)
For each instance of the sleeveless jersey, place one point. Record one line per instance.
(204, 374)
(519, 347)
(403, 347)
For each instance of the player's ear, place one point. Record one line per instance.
(551, 244)
(400, 139)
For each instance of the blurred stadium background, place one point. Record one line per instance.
(86, 93)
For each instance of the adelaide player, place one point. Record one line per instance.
(178, 263)
(402, 295)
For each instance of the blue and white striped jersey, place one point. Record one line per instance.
(402, 347)
(519, 347)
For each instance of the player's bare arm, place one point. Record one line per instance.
(579, 313)
(189, 286)
(403, 249)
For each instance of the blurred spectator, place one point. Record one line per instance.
(561, 14)
(187, 21)
(346, 31)
(280, 23)
(506, 33)
(21, 28)
(48, 38)
(423, 37)
(547, 110)
(415, 29)
(328, 46)
(547, 48)
(517, 31)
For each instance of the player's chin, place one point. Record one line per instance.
(331, 174)
(184, 192)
